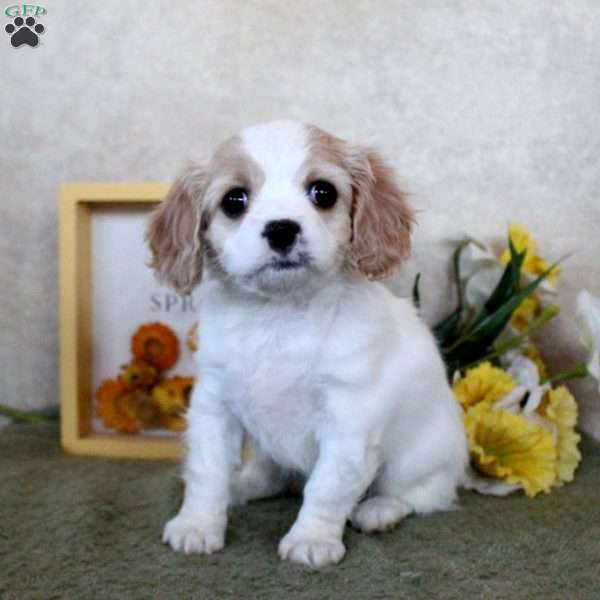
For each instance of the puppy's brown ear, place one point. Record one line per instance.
(382, 220)
(174, 232)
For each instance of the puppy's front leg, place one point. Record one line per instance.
(345, 468)
(214, 439)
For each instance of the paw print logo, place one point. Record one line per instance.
(24, 32)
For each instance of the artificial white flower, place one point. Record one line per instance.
(522, 368)
(480, 272)
(526, 397)
(588, 322)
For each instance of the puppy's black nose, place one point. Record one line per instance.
(281, 234)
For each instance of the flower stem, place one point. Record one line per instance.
(575, 372)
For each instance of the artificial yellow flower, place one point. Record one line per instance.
(524, 314)
(559, 407)
(483, 384)
(532, 353)
(533, 263)
(511, 448)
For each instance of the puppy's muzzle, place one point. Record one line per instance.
(281, 235)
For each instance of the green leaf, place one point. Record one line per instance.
(507, 287)
(415, 292)
(445, 329)
(484, 331)
(461, 346)
(510, 281)
(504, 312)
(496, 352)
(456, 265)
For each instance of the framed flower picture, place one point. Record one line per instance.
(126, 341)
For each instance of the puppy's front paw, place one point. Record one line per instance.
(188, 535)
(311, 551)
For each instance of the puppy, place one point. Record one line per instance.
(319, 367)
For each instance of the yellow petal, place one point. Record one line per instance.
(569, 456)
(511, 448)
(560, 408)
(522, 241)
(524, 314)
(532, 352)
(483, 383)
(533, 264)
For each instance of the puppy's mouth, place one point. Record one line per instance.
(301, 261)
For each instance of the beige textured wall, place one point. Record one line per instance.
(489, 110)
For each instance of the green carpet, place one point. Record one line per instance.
(81, 528)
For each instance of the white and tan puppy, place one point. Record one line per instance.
(301, 352)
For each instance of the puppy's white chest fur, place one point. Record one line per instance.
(275, 397)
(269, 359)
(280, 411)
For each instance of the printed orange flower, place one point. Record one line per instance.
(147, 413)
(156, 344)
(116, 406)
(138, 374)
(124, 409)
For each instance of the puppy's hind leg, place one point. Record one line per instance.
(379, 513)
(391, 502)
(259, 477)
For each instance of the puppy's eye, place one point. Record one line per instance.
(323, 194)
(234, 202)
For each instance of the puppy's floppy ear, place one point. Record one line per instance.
(174, 231)
(382, 220)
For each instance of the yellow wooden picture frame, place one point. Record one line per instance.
(77, 203)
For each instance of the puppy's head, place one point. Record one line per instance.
(277, 206)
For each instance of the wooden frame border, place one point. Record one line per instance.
(76, 204)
